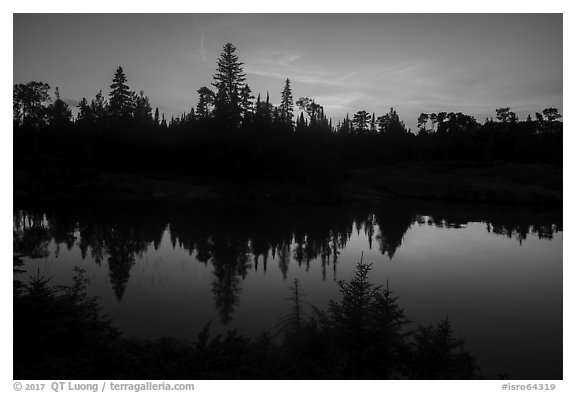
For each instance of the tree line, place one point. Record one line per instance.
(230, 130)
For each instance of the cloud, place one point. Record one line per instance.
(202, 48)
(280, 64)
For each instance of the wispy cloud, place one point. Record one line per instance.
(202, 48)
(281, 64)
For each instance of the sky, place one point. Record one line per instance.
(470, 63)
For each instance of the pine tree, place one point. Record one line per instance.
(294, 322)
(229, 83)
(156, 118)
(361, 120)
(246, 104)
(121, 98)
(258, 112)
(268, 109)
(287, 106)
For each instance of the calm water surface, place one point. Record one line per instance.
(496, 273)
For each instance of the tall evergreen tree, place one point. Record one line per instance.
(286, 108)
(156, 118)
(268, 109)
(246, 104)
(121, 98)
(229, 83)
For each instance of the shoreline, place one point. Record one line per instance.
(501, 184)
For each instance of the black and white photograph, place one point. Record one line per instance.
(288, 196)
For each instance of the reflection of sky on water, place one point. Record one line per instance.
(502, 295)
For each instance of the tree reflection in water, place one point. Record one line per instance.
(237, 239)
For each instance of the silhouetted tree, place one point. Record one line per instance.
(346, 126)
(229, 83)
(287, 106)
(293, 322)
(246, 104)
(373, 128)
(156, 118)
(361, 121)
(438, 355)
(301, 123)
(142, 110)
(422, 120)
(28, 103)
(264, 112)
(311, 108)
(59, 114)
(391, 124)
(504, 115)
(205, 102)
(99, 107)
(551, 114)
(121, 105)
(85, 116)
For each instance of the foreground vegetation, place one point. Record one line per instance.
(59, 333)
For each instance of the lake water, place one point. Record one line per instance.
(496, 273)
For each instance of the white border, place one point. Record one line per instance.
(230, 6)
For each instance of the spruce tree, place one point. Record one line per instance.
(121, 98)
(287, 106)
(246, 104)
(229, 83)
(156, 118)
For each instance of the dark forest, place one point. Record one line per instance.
(234, 137)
